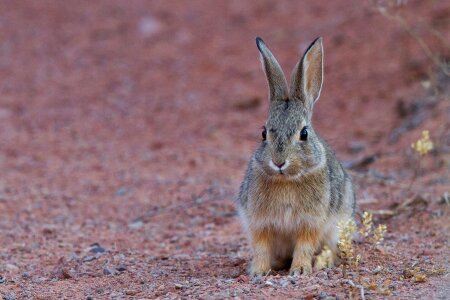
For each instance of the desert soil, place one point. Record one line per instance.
(126, 128)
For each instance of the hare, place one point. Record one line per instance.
(295, 191)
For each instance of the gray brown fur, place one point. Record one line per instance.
(291, 210)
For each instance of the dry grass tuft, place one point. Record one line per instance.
(378, 234)
(423, 145)
(325, 258)
(345, 244)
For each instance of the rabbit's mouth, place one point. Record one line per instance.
(288, 171)
(280, 170)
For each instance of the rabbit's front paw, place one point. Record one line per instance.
(259, 269)
(303, 268)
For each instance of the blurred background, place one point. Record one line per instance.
(130, 124)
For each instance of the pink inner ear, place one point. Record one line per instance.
(313, 72)
(306, 79)
(309, 79)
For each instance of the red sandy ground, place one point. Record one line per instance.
(130, 124)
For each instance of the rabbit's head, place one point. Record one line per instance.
(290, 148)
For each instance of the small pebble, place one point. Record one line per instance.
(292, 279)
(136, 224)
(96, 248)
(9, 296)
(109, 271)
(356, 146)
(284, 283)
(242, 279)
(130, 292)
(377, 270)
(269, 283)
(89, 258)
(322, 275)
(257, 280)
(323, 296)
(121, 268)
(121, 191)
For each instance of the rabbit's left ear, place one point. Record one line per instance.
(307, 77)
(278, 89)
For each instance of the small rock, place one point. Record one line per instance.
(242, 279)
(121, 268)
(237, 261)
(269, 283)
(95, 248)
(377, 270)
(445, 199)
(63, 273)
(322, 275)
(9, 296)
(40, 279)
(284, 283)
(310, 296)
(110, 271)
(427, 252)
(257, 280)
(49, 229)
(322, 296)
(179, 286)
(136, 224)
(130, 292)
(2, 279)
(356, 146)
(235, 274)
(88, 258)
(121, 191)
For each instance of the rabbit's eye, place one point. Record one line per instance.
(264, 133)
(304, 134)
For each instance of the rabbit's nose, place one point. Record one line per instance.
(279, 165)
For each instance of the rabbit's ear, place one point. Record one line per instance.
(277, 82)
(307, 77)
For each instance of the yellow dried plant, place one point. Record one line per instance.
(345, 244)
(325, 258)
(378, 234)
(424, 144)
(367, 222)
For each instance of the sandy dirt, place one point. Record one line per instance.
(126, 128)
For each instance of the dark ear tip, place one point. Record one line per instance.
(259, 41)
(318, 40)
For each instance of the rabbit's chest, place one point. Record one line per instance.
(288, 208)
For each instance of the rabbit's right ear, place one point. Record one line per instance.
(307, 77)
(277, 82)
